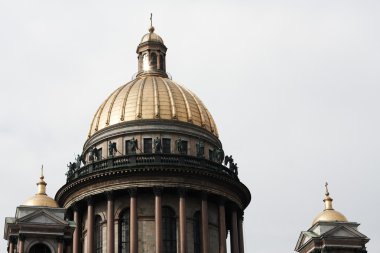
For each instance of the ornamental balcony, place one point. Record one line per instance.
(136, 161)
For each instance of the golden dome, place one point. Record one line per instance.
(151, 36)
(329, 214)
(152, 97)
(41, 198)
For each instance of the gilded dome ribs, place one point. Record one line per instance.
(189, 116)
(129, 87)
(172, 104)
(93, 121)
(139, 99)
(111, 105)
(156, 99)
(203, 124)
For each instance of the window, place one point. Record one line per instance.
(197, 231)
(98, 235)
(162, 62)
(153, 61)
(184, 146)
(148, 145)
(166, 149)
(169, 233)
(124, 231)
(39, 248)
(211, 154)
(145, 61)
(100, 154)
(127, 148)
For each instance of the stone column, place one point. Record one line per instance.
(158, 218)
(133, 221)
(110, 223)
(182, 221)
(241, 236)
(205, 234)
(60, 246)
(21, 241)
(234, 233)
(11, 246)
(90, 225)
(159, 61)
(68, 246)
(222, 228)
(77, 231)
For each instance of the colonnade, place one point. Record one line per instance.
(236, 231)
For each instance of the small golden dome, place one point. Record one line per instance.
(152, 97)
(329, 214)
(152, 36)
(41, 198)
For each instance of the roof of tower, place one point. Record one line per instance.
(329, 214)
(152, 36)
(152, 97)
(41, 198)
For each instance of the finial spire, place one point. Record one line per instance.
(42, 184)
(151, 29)
(328, 200)
(327, 189)
(42, 171)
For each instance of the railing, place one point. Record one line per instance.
(149, 159)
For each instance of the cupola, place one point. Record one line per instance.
(151, 54)
(329, 214)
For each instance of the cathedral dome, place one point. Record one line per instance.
(41, 198)
(152, 97)
(329, 214)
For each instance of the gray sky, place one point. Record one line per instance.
(293, 87)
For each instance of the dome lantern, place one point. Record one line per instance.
(151, 54)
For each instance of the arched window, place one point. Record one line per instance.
(153, 60)
(39, 248)
(145, 62)
(124, 231)
(162, 62)
(98, 234)
(197, 231)
(169, 233)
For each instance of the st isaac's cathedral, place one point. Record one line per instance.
(153, 178)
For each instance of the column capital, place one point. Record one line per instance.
(242, 216)
(182, 191)
(12, 239)
(90, 200)
(21, 237)
(109, 195)
(158, 190)
(222, 201)
(204, 195)
(75, 206)
(132, 192)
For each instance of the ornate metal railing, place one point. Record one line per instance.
(149, 160)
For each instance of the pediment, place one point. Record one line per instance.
(344, 231)
(42, 217)
(304, 238)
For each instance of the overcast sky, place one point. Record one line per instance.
(293, 87)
